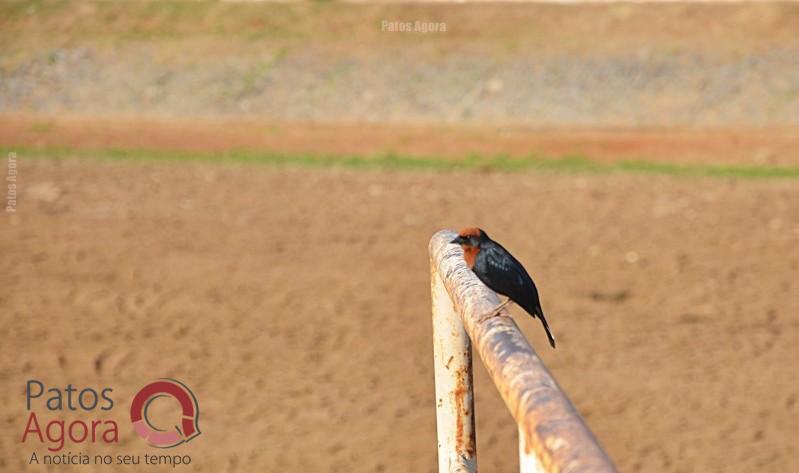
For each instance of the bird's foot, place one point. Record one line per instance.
(494, 313)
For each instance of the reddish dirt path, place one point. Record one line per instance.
(746, 146)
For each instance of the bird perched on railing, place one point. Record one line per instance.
(502, 273)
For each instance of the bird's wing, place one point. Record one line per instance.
(508, 276)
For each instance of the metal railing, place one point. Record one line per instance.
(552, 435)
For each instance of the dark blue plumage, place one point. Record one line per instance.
(501, 272)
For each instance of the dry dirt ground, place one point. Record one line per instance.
(295, 303)
(740, 146)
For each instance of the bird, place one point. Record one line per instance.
(502, 273)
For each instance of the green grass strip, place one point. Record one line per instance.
(565, 164)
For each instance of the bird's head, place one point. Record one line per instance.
(471, 237)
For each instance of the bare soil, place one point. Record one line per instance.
(295, 303)
(749, 146)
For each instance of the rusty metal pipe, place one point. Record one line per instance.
(528, 461)
(452, 353)
(550, 429)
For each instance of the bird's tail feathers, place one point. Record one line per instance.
(540, 313)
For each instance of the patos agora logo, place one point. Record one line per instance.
(49, 404)
(184, 430)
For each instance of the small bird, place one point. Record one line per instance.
(501, 272)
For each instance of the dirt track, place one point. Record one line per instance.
(295, 303)
(747, 146)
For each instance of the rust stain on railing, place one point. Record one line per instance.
(464, 441)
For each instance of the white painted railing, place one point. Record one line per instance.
(552, 435)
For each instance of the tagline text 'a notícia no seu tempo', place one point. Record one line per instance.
(70, 458)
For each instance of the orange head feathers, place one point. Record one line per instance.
(470, 239)
(470, 232)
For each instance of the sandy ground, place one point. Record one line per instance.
(295, 303)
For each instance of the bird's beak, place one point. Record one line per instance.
(458, 241)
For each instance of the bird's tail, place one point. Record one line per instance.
(540, 313)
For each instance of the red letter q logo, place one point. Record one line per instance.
(184, 431)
